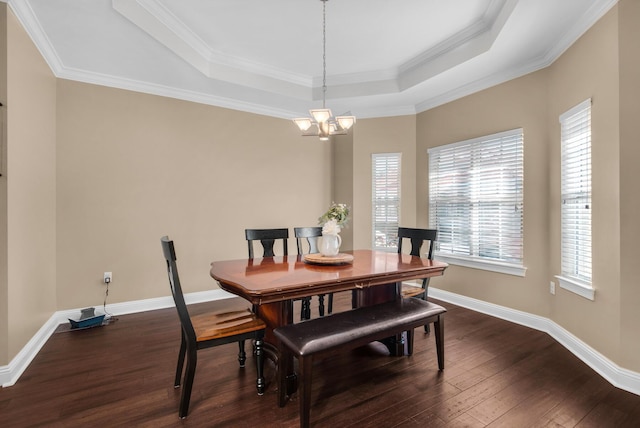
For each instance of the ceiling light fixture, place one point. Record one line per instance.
(322, 123)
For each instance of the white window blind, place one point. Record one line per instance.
(385, 170)
(576, 193)
(476, 199)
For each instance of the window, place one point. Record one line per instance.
(576, 205)
(476, 202)
(385, 170)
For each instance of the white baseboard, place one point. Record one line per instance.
(616, 375)
(10, 373)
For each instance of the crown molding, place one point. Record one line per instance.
(27, 18)
(157, 21)
(342, 86)
(590, 17)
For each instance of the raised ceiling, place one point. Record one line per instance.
(384, 58)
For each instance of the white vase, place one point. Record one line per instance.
(330, 245)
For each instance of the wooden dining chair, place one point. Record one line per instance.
(268, 239)
(307, 238)
(208, 330)
(418, 237)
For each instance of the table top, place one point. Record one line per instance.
(274, 279)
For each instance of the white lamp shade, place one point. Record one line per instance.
(303, 123)
(346, 122)
(321, 115)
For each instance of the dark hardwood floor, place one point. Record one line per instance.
(497, 374)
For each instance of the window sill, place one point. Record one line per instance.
(581, 289)
(505, 268)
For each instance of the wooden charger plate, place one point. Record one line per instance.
(319, 259)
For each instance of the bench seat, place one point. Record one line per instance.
(321, 337)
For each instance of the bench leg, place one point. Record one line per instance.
(304, 390)
(410, 334)
(282, 377)
(438, 326)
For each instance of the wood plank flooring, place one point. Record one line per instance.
(497, 374)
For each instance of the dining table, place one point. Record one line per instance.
(271, 284)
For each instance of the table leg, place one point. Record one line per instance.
(376, 295)
(276, 315)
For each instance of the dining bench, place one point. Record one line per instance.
(339, 332)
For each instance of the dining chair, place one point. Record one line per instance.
(208, 330)
(268, 239)
(310, 235)
(418, 237)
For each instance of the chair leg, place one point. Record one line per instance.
(330, 306)
(180, 365)
(321, 304)
(304, 387)
(242, 356)
(192, 360)
(305, 310)
(438, 326)
(260, 382)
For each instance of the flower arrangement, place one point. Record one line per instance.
(334, 219)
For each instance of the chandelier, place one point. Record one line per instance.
(322, 123)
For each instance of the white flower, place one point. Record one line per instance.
(331, 228)
(337, 212)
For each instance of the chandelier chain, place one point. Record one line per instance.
(324, 52)
(322, 122)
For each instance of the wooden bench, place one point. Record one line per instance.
(320, 337)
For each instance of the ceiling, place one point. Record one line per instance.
(383, 57)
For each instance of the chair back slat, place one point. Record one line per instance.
(311, 235)
(267, 238)
(176, 289)
(418, 238)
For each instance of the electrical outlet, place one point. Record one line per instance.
(552, 287)
(108, 277)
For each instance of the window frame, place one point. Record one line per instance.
(576, 134)
(395, 157)
(471, 176)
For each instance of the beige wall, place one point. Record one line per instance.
(342, 182)
(97, 175)
(520, 103)
(589, 69)
(4, 296)
(604, 65)
(383, 135)
(134, 167)
(629, 33)
(31, 188)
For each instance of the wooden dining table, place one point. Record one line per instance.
(272, 283)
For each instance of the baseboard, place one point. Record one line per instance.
(10, 373)
(616, 375)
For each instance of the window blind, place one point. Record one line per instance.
(576, 192)
(476, 198)
(386, 200)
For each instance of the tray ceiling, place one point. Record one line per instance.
(384, 58)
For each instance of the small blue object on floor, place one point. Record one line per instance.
(87, 319)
